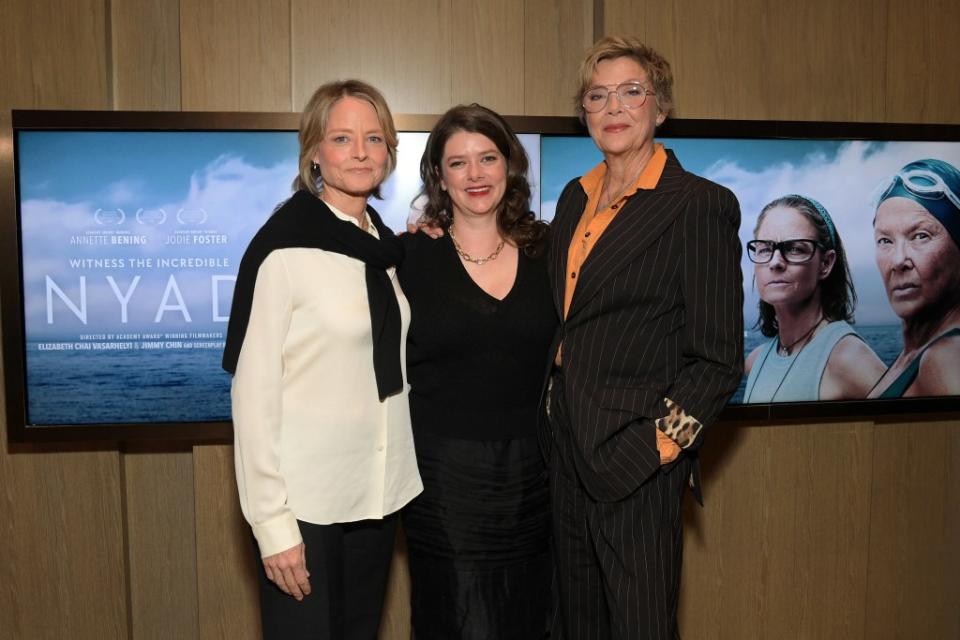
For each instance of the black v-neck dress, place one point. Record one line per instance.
(478, 535)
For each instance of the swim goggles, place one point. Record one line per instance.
(921, 183)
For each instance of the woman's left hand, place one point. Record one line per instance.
(288, 570)
(433, 232)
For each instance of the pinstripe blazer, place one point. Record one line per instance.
(657, 312)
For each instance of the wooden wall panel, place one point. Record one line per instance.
(914, 543)
(403, 48)
(721, 69)
(745, 59)
(714, 76)
(556, 33)
(226, 573)
(737, 549)
(63, 539)
(840, 75)
(486, 54)
(63, 567)
(235, 55)
(951, 593)
(780, 548)
(145, 37)
(818, 522)
(922, 62)
(54, 55)
(727, 498)
(161, 543)
(653, 22)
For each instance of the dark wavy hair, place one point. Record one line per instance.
(515, 221)
(838, 298)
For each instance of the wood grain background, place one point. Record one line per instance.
(845, 530)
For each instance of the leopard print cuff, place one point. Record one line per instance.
(678, 426)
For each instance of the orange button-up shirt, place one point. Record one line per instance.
(593, 223)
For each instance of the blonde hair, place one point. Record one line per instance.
(654, 64)
(313, 126)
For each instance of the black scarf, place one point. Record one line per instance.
(305, 221)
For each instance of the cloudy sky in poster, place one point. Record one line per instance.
(196, 198)
(845, 176)
(163, 188)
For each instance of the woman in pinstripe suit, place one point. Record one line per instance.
(645, 269)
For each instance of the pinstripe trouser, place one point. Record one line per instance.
(617, 563)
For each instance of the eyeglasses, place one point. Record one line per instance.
(797, 251)
(632, 95)
(923, 184)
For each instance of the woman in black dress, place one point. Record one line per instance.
(482, 320)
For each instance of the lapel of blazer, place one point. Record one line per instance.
(644, 218)
(565, 221)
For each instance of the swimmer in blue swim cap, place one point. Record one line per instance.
(917, 242)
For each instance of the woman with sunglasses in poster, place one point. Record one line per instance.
(917, 233)
(806, 305)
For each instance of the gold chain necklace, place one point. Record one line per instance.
(466, 256)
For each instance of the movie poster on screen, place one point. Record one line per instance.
(131, 243)
(131, 240)
(847, 178)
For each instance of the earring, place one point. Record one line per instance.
(314, 167)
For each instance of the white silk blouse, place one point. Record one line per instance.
(312, 440)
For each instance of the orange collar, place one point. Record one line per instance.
(647, 179)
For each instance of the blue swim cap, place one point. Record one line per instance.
(935, 186)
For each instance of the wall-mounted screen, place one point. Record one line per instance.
(124, 232)
(899, 276)
(130, 242)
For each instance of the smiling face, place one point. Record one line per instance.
(353, 152)
(474, 174)
(918, 260)
(778, 281)
(615, 129)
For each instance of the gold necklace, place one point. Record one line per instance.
(466, 256)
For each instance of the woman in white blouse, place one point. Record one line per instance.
(324, 452)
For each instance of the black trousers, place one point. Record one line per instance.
(348, 565)
(618, 563)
